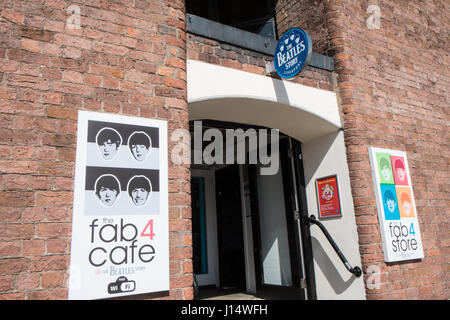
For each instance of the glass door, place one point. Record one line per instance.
(278, 255)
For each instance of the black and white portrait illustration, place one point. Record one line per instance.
(139, 190)
(115, 191)
(108, 141)
(116, 144)
(122, 169)
(140, 145)
(107, 189)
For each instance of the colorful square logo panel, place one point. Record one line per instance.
(396, 207)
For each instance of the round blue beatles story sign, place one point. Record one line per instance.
(292, 52)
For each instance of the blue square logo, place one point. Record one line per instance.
(390, 203)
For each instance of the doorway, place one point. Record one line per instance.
(279, 252)
(258, 239)
(229, 226)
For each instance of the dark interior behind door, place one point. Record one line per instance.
(229, 226)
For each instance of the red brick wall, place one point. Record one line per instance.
(394, 91)
(308, 15)
(127, 58)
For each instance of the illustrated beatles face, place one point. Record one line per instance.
(400, 169)
(107, 189)
(139, 144)
(139, 189)
(385, 169)
(108, 141)
(390, 201)
(406, 203)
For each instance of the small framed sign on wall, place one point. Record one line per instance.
(328, 198)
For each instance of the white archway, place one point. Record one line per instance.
(219, 93)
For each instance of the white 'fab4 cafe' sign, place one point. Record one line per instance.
(120, 242)
(397, 213)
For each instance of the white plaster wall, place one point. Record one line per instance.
(322, 157)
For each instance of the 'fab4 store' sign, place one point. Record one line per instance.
(397, 213)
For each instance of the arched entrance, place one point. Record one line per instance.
(225, 94)
(275, 251)
(246, 235)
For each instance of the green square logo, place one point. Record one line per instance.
(384, 168)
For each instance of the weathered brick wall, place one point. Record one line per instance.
(308, 15)
(394, 90)
(127, 58)
(215, 52)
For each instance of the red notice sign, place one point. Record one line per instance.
(328, 199)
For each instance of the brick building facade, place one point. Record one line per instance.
(392, 84)
(130, 57)
(127, 58)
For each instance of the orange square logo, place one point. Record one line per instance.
(405, 203)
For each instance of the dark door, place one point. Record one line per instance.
(229, 226)
(276, 234)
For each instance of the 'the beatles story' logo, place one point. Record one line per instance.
(292, 52)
